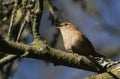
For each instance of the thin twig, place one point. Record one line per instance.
(37, 18)
(52, 11)
(12, 19)
(54, 15)
(7, 59)
(26, 20)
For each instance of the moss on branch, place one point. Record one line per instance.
(112, 74)
(40, 50)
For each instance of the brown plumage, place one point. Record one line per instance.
(75, 41)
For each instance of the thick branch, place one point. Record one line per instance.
(47, 53)
(112, 74)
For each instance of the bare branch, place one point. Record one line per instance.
(7, 59)
(12, 18)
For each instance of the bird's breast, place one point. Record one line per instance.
(67, 39)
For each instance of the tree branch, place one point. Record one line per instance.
(112, 74)
(39, 50)
(12, 18)
(7, 59)
(37, 19)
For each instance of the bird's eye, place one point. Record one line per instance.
(66, 24)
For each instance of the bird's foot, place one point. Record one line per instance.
(75, 54)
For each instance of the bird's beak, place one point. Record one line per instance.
(58, 25)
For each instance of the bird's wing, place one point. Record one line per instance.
(83, 46)
(88, 44)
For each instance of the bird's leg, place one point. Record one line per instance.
(75, 54)
(91, 56)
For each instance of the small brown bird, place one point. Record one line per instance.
(75, 41)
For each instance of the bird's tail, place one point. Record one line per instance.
(95, 54)
(96, 58)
